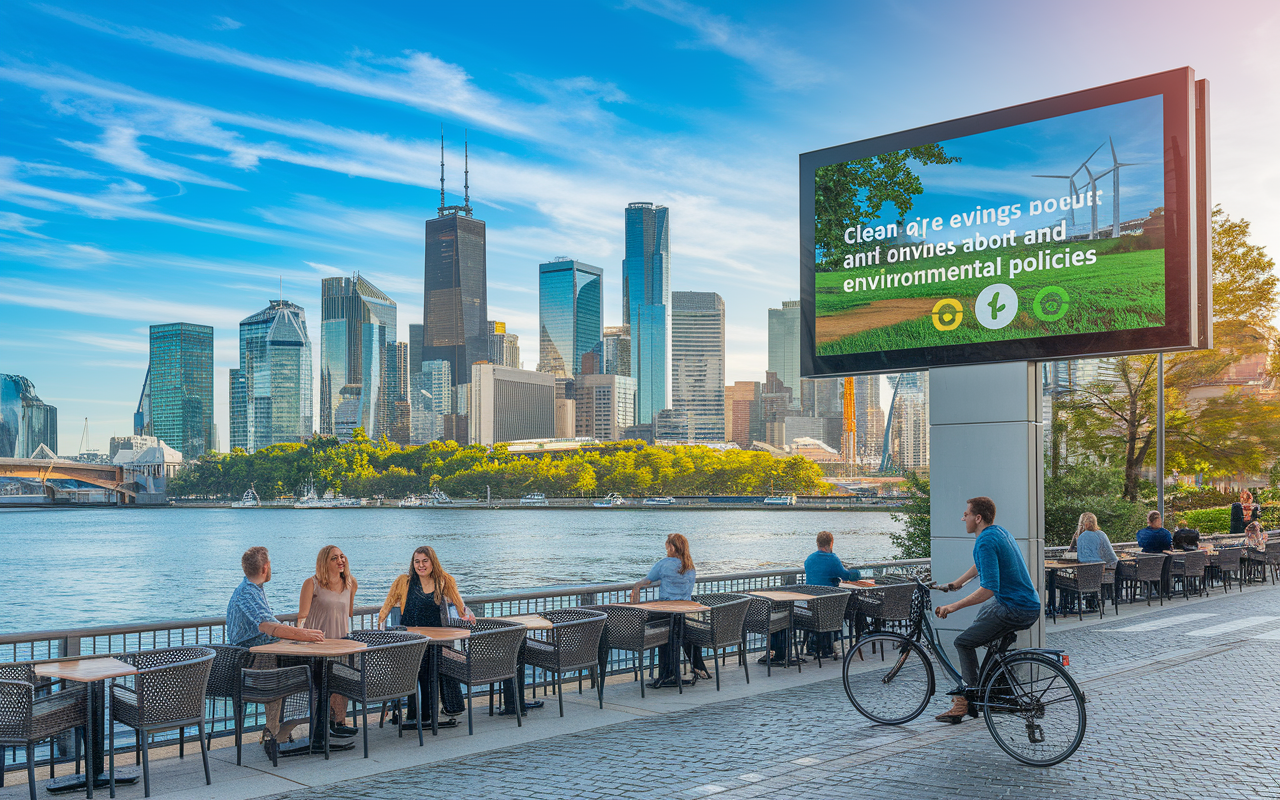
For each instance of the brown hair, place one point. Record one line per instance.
(1254, 527)
(322, 568)
(825, 539)
(1152, 516)
(984, 507)
(254, 561)
(681, 546)
(446, 586)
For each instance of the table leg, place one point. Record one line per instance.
(322, 709)
(432, 702)
(678, 621)
(1051, 591)
(93, 747)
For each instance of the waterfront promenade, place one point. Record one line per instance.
(1182, 704)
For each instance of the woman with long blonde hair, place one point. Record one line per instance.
(675, 576)
(327, 601)
(1091, 544)
(427, 596)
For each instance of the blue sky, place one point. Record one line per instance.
(159, 163)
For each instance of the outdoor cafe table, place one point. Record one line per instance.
(94, 672)
(437, 637)
(676, 608)
(1051, 570)
(317, 652)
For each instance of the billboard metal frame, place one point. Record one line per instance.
(1188, 284)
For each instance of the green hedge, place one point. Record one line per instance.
(1208, 520)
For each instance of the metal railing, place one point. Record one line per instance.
(112, 639)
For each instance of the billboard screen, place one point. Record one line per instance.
(1054, 229)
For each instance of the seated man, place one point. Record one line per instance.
(1002, 574)
(250, 622)
(824, 568)
(1154, 538)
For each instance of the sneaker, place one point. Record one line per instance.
(342, 731)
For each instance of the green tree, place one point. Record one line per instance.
(1089, 486)
(914, 540)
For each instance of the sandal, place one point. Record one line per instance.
(702, 674)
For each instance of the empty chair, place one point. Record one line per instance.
(1144, 572)
(1109, 586)
(767, 617)
(885, 604)
(1189, 568)
(824, 614)
(224, 684)
(166, 694)
(489, 655)
(720, 628)
(1087, 580)
(26, 719)
(1227, 564)
(632, 630)
(572, 645)
(386, 670)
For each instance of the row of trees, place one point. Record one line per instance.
(365, 468)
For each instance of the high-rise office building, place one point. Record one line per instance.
(776, 402)
(869, 416)
(26, 421)
(142, 416)
(504, 348)
(455, 303)
(615, 351)
(570, 314)
(271, 389)
(507, 405)
(393, 411)
(910, 437)
(357, 321)
(604, 406)
(182, 387)
(646, 305)
(784, 345)
(742, 421)
(697, 362)
(430, 401)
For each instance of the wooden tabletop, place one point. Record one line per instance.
(1061, 564)
(781, 596)
(443, 635)
(669, 606)
(85, 670)
(856, 585)
(329, 647)
(533, 622)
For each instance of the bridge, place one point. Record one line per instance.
(106, 476)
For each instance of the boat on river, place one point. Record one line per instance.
(659, 501)
(250, 500)
(612, 500)
(780, 500)
(534, 499)
(412, 501)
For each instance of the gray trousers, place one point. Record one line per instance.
(993, 622)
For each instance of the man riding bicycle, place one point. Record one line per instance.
(1002, 574)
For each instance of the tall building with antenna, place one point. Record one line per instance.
(455, 304)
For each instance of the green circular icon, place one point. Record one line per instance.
(1050, 304)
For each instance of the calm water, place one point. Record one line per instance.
(83, 567)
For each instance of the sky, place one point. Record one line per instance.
(160, 163)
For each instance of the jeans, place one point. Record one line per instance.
(993, 622)
(450, 691)
(666, 653)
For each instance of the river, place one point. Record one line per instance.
(87, 567)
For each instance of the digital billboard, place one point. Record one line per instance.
(1061, 228)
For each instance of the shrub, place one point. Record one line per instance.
(1089, 487)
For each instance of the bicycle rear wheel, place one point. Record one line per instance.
(1034, 709)
(888, 678)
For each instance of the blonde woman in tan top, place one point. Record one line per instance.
(327, 602)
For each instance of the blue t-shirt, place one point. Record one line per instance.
(825, 569)
(247, 610)
(1154, 540)
(1002, 569)
(671, 584)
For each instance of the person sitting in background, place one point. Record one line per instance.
(1154, 538)
(327, 601)
(1092, 545)
(250, 622)
(823, 568)
(1240, 510)
(1255, 537)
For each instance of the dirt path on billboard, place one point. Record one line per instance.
(876, 314)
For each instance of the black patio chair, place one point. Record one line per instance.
(488, 655)
(572, 645)
(385, 671)
(291, 686)
(1226, 564)
(1189, 568)
(26, 718)
(632, 630)
(1087, 580)
(720, 628)
(825, 613)
(766, 617)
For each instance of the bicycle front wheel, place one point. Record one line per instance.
(888, 678)
(1034, 709)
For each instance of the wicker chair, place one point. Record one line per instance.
(767, 617)
(1189, 567)
(489, 655)
(386, 670)
(887, 603)
(1273, 558)
(825, 613)
(291, 685)
(1226, 564)
(1145, 571)
(631, 630)
(1087, 580)
(166, 694)
(722, 627)
(573, 646)
(26, 719)
(1109, 580)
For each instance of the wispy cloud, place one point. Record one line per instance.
(118, 344)
(113, 305)
(119, 147)
(226, 24)
(16, 223)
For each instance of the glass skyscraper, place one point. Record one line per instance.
(26, 421)
(570, 315)
(271, 390)
(646, 303)
(182, 387)
(430, 401)
(784, 345)
(356, 323)
(455, 313)
(697, 362)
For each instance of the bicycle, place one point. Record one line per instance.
(1032, 706)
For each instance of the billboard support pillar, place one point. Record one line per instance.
(986, 437)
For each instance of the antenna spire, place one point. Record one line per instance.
(466, 176)
(441, 169)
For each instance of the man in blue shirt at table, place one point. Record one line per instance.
(1003, 580)
(251, 622)
(1154, 538)
(824, 568)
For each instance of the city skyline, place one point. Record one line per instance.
(184, 166)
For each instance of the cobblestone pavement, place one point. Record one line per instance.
(1183, 706)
